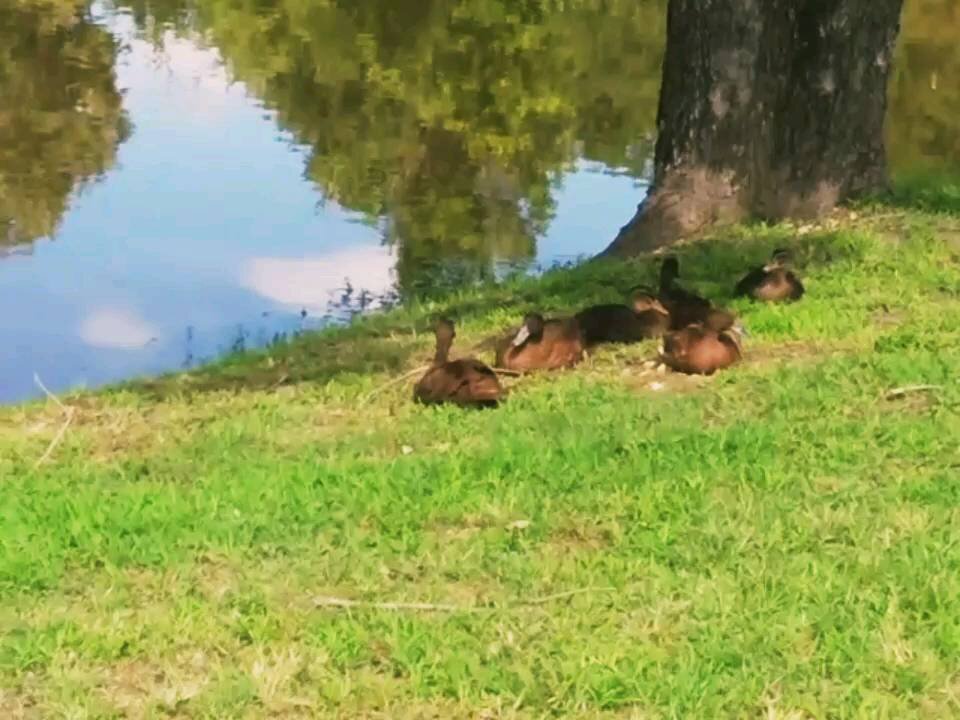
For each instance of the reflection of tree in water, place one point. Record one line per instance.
(60, 118)
(924, 126)
(446, 122)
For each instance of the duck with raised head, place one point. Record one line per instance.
(542, 344)
(700, 350)
(677, 299)
(688, 308)
(644, 318)
(466, 382)
(773, 282)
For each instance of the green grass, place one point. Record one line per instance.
(780, 541)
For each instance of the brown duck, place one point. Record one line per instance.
(773, 282)
(466, 382)
(644, 318)
(685, 307)
(542, 345)
(700, 350)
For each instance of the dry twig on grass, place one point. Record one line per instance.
(68, 418)
(565, 594)
(900, 392)
(345, 603)
(395, 381)
(336, 602)
(280, 381)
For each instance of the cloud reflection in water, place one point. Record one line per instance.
(318, 285)
(116, 328)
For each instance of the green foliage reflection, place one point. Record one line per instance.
(60, 116)
(446, 123)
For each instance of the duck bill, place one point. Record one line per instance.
(737, 333)
(521, 337)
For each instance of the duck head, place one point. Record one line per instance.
(532, 328)
(643, 299)
(669, 271)
(445, 328)
(780, 258)
(737, 332)
(445, 333)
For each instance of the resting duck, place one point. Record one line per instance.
(773, 282)
(542, 345)
(467, 382)
(700, 350)
(644, 318)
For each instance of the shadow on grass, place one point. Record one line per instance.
(929, 193)
(312, 358)
(399, 340)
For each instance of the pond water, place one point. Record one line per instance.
(180, 178)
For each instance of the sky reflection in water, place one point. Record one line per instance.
(214, 228)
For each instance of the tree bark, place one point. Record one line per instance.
(768, 108)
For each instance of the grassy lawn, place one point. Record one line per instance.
(779, 541)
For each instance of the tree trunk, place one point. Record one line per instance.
(768, 108)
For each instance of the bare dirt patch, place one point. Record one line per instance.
(581, 536)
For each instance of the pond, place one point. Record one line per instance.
(182, 178)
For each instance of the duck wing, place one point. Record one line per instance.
(750, 282)
(433, 387)
(477, 384)
(608, 323)
(474, 366)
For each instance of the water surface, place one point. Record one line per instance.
(179, 179)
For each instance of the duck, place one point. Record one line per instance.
(467, 382)
(644, 318)
(542, 344)
(701, 350)
(687, 308)
(773, 282)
